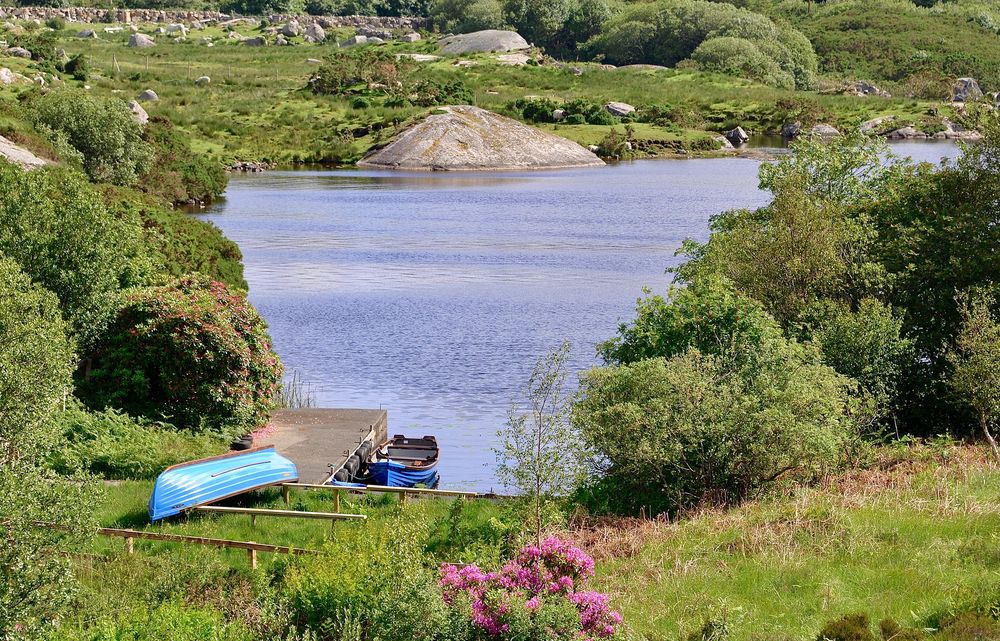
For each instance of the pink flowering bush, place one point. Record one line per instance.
(534, 590)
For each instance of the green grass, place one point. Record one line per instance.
(914, 536)
(257, 106)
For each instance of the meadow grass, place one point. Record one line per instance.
(258, 105)
(913, 536)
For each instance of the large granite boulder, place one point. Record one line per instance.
(291, 29)
(138, 112)
(478, 41)
(140, 40)
(315, 33)
(147, 96)
(966, 89)
(737, 137)
(824, 130)
(463, 138)
(18, 52)
(19, 155)
(619, 109)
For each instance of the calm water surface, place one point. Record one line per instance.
(432, 295)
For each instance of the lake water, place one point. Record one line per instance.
(433, 294)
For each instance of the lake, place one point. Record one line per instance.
(433, 294)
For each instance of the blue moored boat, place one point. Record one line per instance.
(186, 485)
(405, 462)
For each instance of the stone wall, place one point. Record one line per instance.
(92, 15)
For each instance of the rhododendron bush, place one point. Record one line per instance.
(536, 589)
(193, 353)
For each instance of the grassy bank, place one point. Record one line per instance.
(912, 536)
(258, 107)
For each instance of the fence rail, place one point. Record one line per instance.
(385, 489)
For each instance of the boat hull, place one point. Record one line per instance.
(393, 474)
(182, 487)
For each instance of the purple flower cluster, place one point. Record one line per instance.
(555, 569)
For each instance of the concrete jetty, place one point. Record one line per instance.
(319, 440)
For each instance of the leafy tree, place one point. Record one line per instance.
(464, 16)
(103, 130)
(675, 432)
(36, 362)
(54, 224)
(976, 362)
(743, 58)
(189, 352)
(178, 174)
(540, 453)
(556, 25)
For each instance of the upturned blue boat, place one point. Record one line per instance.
(405, 462)
(187, 485)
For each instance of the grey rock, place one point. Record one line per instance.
(413, 36)
(469, 138)
(478, 41)
(7, 76)
(315, 32)
(966, 89)
(356, 40)
(18, 52)
(723, 142)
(619, 109)
(280, 41)
(737, 137)
(87, 33)
(147, 96)
(255, 42)
(824, 130)
(862, 88)
(876, 125)
(138, 112)
(160, 31)
(906, 133)
(375, 40)
(140, 40)
(291, 29)
(20, 156)
(791, 130)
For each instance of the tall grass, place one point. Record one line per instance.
(295, 393)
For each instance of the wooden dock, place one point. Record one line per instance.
(319, 440)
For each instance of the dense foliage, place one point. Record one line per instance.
(55, 225)
(708, 402)
(191, 353)
(103, 131)
(177, 174)
(36, 361)
(717, 36)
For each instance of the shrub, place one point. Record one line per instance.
(78, 66)
(54, 224)
(847, 628)
(464, 16)
(178, 174)
(710, 403)
(103, 130)
(359, 69)
(189, 352)
(667, 32)
(539, 594)
(428, 93)
(113, 445)
(36, 362)
(743, 58)
(556, 25)
(170, 620)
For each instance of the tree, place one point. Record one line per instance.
(191, 352)
(976, 361)
(540, 453)
(103, 130)
(55, 225)
(36, 362)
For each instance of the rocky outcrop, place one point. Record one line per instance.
(20, 156)
(140, 40)
(737, 137)
(619, 109)
(862, 88)
(951, 131)
(465, 138)
(479, 41)
(966, 89)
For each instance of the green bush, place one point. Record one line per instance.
(78, 66)
(464, 16)
(556, 25)
(667, 32)
(113, 445)
(191, 353)
(357, 70)
(171, 620)
(36, 363)
(709, 402)
(103, 130)
(180, 244)
(55, 225)
(847, 628)
(743, 58)
(178, 174)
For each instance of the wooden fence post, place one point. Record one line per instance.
(253, 520)
(336, 501)
(252, 554)
(284, 493)
(129, 545)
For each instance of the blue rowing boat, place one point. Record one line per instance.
(405, 462)
(187, 485)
